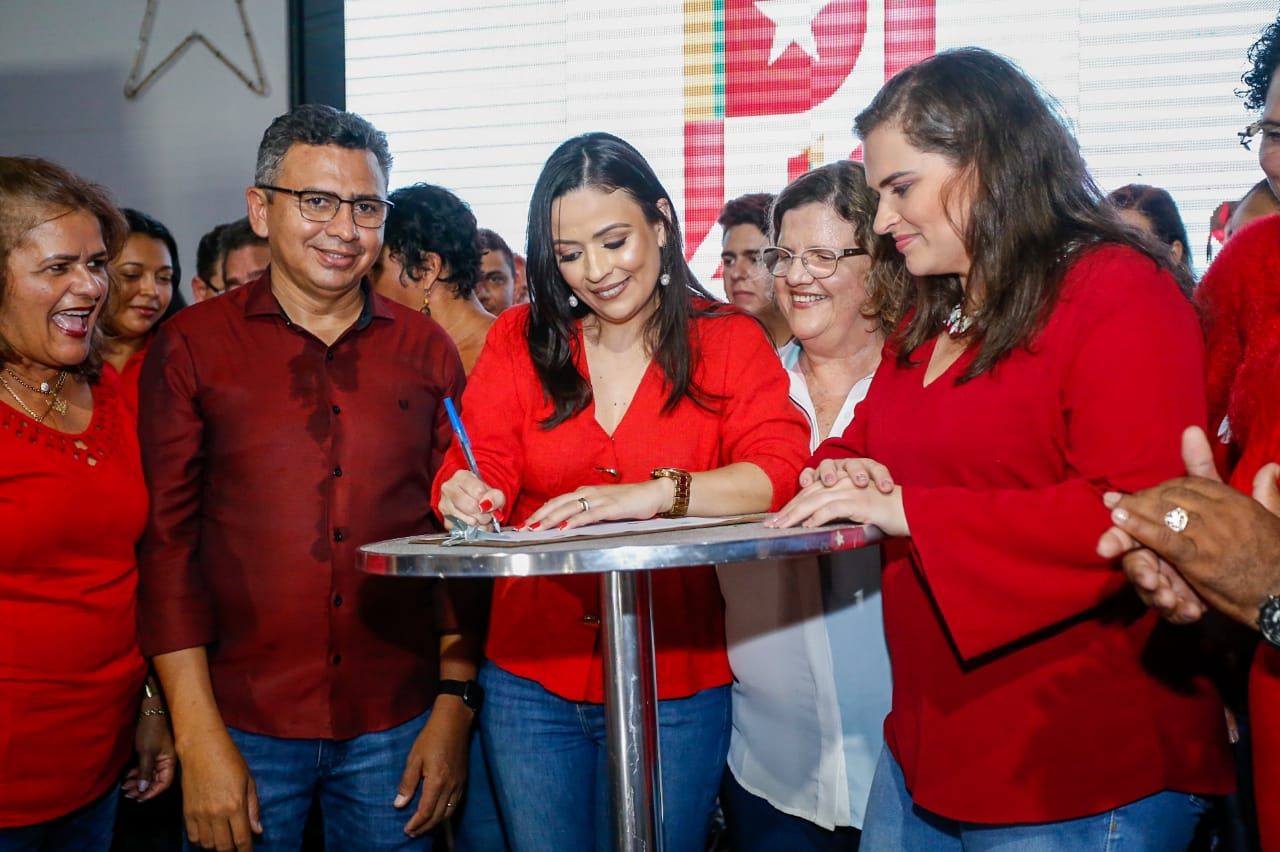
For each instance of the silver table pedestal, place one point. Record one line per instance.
(631, 709)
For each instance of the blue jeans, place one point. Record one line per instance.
(549, 764)
(356, 781)
(86, 829)
(478, 825)
(757, 826)
(1162, 822)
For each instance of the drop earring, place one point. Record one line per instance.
(664, 279)
(573, 301)
(426, 302)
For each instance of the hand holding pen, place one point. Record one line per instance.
(460, 435)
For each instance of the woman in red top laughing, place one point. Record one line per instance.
(72, 506)
(620, 392)
(1044, 355)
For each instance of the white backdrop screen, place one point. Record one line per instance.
(731, 96)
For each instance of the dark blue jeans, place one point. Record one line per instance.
(356, 781)
(86, 829)
(1159, 823)
(549, 763)
(757, 826)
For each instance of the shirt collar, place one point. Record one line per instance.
(262, 302)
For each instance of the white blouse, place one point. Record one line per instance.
(811, 669)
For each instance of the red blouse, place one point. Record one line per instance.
(1030, 684)
(129, 375)
(548, 628)
(71, 509)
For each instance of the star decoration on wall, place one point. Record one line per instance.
(139, 81)
(792, 24)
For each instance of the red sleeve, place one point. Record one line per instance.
(1003, 564)
(174, 606)
(1219, 300)
(759, 423)
(494, 409)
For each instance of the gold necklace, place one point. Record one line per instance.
(56, 402)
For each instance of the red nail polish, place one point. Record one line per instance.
(535, 525)
(563, 524)
(486, 505)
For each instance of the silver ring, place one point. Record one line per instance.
(1176, 519)
(582, 501)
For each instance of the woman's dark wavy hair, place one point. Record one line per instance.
(605, 162)
(430, 218)
(1264, 57)
(1161, 211)
(1034, 208)
(34, 191)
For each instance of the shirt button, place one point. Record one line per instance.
(328, 356)
(338, 536)
(337, 658)
(590, 619)
(337, 600)
(337, 409)
(337, 471)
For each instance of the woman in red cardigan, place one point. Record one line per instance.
(1042, 357)
(620, 392)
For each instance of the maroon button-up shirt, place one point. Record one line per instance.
(271, 458)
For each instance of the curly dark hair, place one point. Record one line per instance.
(430, 218)
(1264, 56)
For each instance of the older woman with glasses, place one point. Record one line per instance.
(806, 636)
(72, 506)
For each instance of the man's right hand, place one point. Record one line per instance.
(219, 799)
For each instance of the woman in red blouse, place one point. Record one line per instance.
(621, 391)
(72, 505)
(1043, 356)
(142, 290)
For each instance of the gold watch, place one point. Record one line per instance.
(682, 478)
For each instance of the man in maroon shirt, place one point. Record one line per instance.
(284, 425)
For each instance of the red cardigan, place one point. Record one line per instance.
(1024, 667)
(547, 628)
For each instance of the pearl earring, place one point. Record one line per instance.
(573, 301)
(664, 279)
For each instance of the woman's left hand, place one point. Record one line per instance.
(817, 503)
(597, 503)
(157, 760)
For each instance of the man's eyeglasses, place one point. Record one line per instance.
(1270, 131)
(818, 262)
(316, 206)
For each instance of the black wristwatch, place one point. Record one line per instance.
(1269, 620)
(471, 692)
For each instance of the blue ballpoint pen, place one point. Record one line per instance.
(460, 433)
